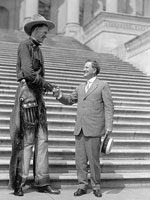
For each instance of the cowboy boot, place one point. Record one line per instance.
(20, 183)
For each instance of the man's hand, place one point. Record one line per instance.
(108, 132)
(56, 92)
(49, 87)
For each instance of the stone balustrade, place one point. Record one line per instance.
(136, 51)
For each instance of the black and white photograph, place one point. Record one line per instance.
(75, 99)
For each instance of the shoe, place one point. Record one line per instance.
(48, 189)
(97, 193)
(18, 192)
(79, 192)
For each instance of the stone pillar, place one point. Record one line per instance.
(22, 14)
(112, 6)
(72, 22)
(54, 14)
(147, 8)
(98, 6)
(132, 5)
(87, 13)
(58, 16)
(31, 8)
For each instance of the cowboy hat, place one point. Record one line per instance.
(36, 20)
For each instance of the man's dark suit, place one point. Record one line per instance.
(94, 116)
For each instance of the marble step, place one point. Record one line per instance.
(61, 153)
(107, 166)
(63, 141)
(109, 180)
(67, 132)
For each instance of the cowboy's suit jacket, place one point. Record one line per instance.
(95, 108)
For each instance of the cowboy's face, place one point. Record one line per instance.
(41, 33)
(88, 70)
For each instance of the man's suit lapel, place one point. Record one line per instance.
(83, 90)
(92, 88)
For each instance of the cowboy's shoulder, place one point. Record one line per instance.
(25, 43)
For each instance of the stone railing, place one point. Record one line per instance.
(136, 51)
(138, 44)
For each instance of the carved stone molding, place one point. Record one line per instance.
(116, 23)
(127, 25)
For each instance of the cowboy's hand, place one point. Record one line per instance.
(49, 87)
(56, 92)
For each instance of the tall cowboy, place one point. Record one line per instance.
(28, 126)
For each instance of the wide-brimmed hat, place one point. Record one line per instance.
(36, 20)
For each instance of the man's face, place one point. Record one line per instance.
(88, 70)
(41, 33)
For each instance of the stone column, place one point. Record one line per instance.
(22, 14)
(98, 6)
(54, 14)
(132, 5)
(87, 13)
(31, 8)
(112, 6)
(72, 22)
(147, 8)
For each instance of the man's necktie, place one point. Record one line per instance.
(87, 86)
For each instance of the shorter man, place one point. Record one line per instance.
(94, 120)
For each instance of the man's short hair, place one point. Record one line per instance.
(94, 65)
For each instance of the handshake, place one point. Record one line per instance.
(57, 92)
(53, 88)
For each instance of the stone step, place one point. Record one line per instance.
(128, 101)
(67, 132)
(10, 93)
(70, 123)
(60, 73)
(69, 118)
(8, 105)
(65, 81)
(54, 51)
(60, 153)
(64, 85)
(54, 68)
(60, 65)
(144, 87)
(71, 55)
(67, 55)
(54, 65)
(120, 108)
(56, 107)
(70, 141)
(61, 79)
(109, 180)
(107, 166)
(13, 37)
(54, 115)
(123, 110)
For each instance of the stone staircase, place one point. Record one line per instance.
(129, 162)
